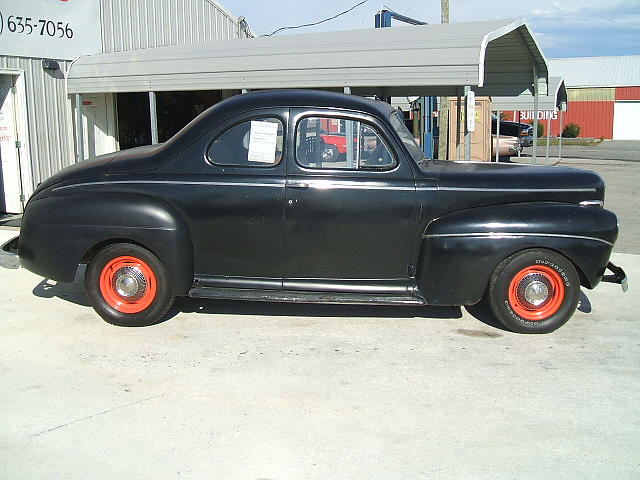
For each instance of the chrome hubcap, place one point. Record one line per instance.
(130, 283)
(534, 291)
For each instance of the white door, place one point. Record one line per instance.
(11, 186)
(626, 120)
(99, 124)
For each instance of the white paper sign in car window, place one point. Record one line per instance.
(262, 142)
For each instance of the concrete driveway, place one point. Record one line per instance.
(230, 390)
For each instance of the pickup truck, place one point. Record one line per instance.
(240, 204)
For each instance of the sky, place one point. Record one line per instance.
(578, 28)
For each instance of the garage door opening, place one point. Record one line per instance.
(174, 111)
(625, 120)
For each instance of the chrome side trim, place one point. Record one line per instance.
(172, 182)
(592, 203)
(329, 184)
(519, 190)
(354, 185)
(512, 235)
(318, 184)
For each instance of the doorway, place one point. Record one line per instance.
(15, 174)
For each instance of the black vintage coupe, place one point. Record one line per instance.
(242, 204)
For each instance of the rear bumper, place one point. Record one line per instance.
(9, 254)
(617, 276)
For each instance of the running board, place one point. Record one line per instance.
(305, 297)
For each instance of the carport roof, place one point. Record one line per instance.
(557, 93)
(495, 57)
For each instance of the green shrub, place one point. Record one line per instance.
(571, 130)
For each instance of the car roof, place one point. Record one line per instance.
(301, 98)
(279, 98)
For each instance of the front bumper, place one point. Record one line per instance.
(617, 276)
(9, 254)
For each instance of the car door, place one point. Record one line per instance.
(236, 203)
(349, 221)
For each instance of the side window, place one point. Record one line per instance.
(254, 143)
(336, 143)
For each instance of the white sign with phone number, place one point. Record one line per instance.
(57, 29)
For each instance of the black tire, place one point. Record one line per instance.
(508, 302)
(159, 304)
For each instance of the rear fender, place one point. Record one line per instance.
(59, 232)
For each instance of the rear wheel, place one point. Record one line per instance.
(128, 286)
(534, 291)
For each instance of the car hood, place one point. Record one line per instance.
(530, 182)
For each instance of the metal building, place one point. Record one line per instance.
(36, 113)
(603, 96)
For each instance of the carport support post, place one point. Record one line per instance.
(535, 114)
(348, 127)
(153, 113)
(497, 135)
(560, 136)
(79, 127)
(467, 133)
(546, 158)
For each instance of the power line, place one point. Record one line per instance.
(316, 23)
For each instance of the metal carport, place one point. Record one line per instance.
(492, 58)
(554, 100)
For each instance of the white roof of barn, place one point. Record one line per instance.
(619, 71)
(496, 57)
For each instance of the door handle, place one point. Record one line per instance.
(299, 185)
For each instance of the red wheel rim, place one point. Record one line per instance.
(122, 275)
(553, 283)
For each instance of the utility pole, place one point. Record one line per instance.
(443, 113)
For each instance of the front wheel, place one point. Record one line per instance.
(128, 286)
(534, 291)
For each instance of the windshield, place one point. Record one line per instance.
(397, 120)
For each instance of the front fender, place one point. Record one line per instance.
(460, 251)
(58, 231)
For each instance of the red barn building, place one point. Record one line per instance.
(603, 96)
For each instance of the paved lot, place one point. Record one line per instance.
(278, 391)
(625, 150)
(622, 196)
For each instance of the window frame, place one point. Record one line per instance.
(209, 160)
(344, 116)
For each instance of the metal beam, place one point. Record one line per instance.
(467, 133)
(79, 128)
(153, 113)
(535, 114)
(497, 136)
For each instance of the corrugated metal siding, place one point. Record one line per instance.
(628, 93)
(134, 24)
(591, 94)
(594, 118)
(48, 117)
